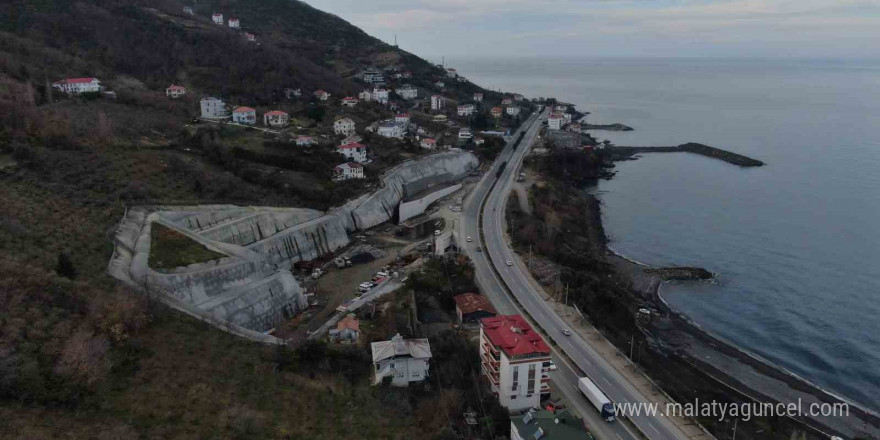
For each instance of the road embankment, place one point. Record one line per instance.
(628, 153)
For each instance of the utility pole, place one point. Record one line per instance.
(530, 256)
(631, 343)
(734, 427)
(566, 294)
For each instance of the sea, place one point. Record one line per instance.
(795, 244)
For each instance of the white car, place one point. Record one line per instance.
(566, 332)
(509, 263)
(469, 240)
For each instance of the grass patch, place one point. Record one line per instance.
(170, 249)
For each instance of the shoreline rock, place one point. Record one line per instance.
(628, 153)
(607, 127)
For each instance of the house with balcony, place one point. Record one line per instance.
(515, 360)
(471, 308)
(304, 141)
(466, 109)
(478, 96)
(402, 119)
(175, 91)
(555, 121)
(355, 151)
(345, 171)
(78, 85)
(276, 118)
(234, 23)
(390, 129)
(217, 18)
(403, 360)
(213, 108)
(380, 95)
(244, 115)
(373, 76)
(437, 102)
(344, 126)
(407, 91)
(513, 110)
(350, 101)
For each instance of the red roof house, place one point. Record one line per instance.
(513, 335)
(471, 307)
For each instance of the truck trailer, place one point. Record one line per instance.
(602, 403)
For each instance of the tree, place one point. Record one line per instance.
(65, 266)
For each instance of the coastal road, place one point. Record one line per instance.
(514, 279)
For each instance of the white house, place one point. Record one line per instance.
(516, 360)
(403, 360)
(78, 85)
(188, 10)
(345, 171)
(496, 112)
(429, 144)
(402, 119)
(350, 101)
(437, 102)
(276, 118)
(355, 151)
(304, 141)
(555, 121)
(407, 91)
(465, 133)
(513, 110)
(390, 129)
(452, 73)
(251, 37)
(213, 108)
(365, 96)
(234, 23)
(244, 115)
(439, 84)
(478, 97)
(322, 95)
(466, 109)
(218, 18)
(372, 76)
(380, 95)
(506, 101)
(344, 126)
(174, 91)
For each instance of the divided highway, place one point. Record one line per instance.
(513, 279)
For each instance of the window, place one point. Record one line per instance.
(531, 383)
(515, 378)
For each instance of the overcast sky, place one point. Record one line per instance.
(668, 28)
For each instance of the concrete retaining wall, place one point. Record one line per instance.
(416, 207)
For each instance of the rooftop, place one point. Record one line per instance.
(352, 145)
(243, 110)
(77, 80)
(471, 302)
(275, 113)
(561, 425)
(513, 335)
(399, 347)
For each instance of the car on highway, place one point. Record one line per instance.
(479, 249)
(469, 239)
(566, 332)
(509, 263)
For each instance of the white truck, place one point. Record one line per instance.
(602, 403)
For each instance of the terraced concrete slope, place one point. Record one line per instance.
(249, 291)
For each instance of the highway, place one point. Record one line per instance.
(513, 278)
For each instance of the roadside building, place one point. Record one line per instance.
(403, 360)
(471, 308)
(465, 133)
(380, 95)
(174, 91)
(347, 329)
(217, 18)
(244, 115)
(513, 110)
(407, 91)
(276, 118)
(304, 141)
(437, 102)
(496, 112)
(466, 109)
(428, 143)
(555, 121)
(402, 119)
(547, 425)
(213, 108)
(516, 361)
(390, 129)
(350, 101)
(478, 97)
(348, 170)
(321, 95)
(356, 152)
(234, 23)
(78, 85)
(344, 126)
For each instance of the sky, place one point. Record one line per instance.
(655, 28)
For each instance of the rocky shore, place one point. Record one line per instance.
(607, 127)
(629, 153)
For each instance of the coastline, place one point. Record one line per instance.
(742, 372)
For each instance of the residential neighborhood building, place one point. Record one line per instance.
(348, 170)
(506, 101)
(292, 93)
(251, 37)
(234, 23)
(479, 141)
(561, 108)
(347, 329)
(478, 97)
(322, 95)
(351, 139)
(403, 360)
(213, 108)
(380, 95)
(471, 308)
(304, 141)
(402, 119)
(575, 127)
(344, 126)
(276, 118)
(428, 143)
(365, 96)
(218, 18)
(516, 361)
(372, 76)
(407, 91)
(439, 84)
(390, 129)
(244, 115)
(496, 112)
(452, 73)
(355, 151)
(555, 121)
(78, 85)
(437, 102)
(547, 425)
(466, 109)
(465, 133)
(350, 101)
(188, 10)
(174, 91)
(517, 97)
(513, 110)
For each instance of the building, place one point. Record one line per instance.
(304, 141)
(466, 109)
(290, 93)
(407, 91)
(516, 361)
(350, 101)
(547, 425)
(479, 141)
(217, 18)
(372, 76)
(517, 97)
(452, 73)
(496, 112)
(575, 127)
(78, 85)
(351, 139)
(344, 126)
(234, 23)
(365, 96)
(402, 119)
(276, 118)
(555, 121)
(471, 308)
(244, 115)
(213, 108)
(188, 10)
(347, 329)
(465, 133)
(439, 84)
(403, 360)
(251, 37)
(478, 97)
(322, 95)
(428, 143)
(506, 101)
(355, 151)
(174, 91)
(561, 108)
(380, 95)
(390, 129)
(348, 170)
(437, 102)
(513, 110)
